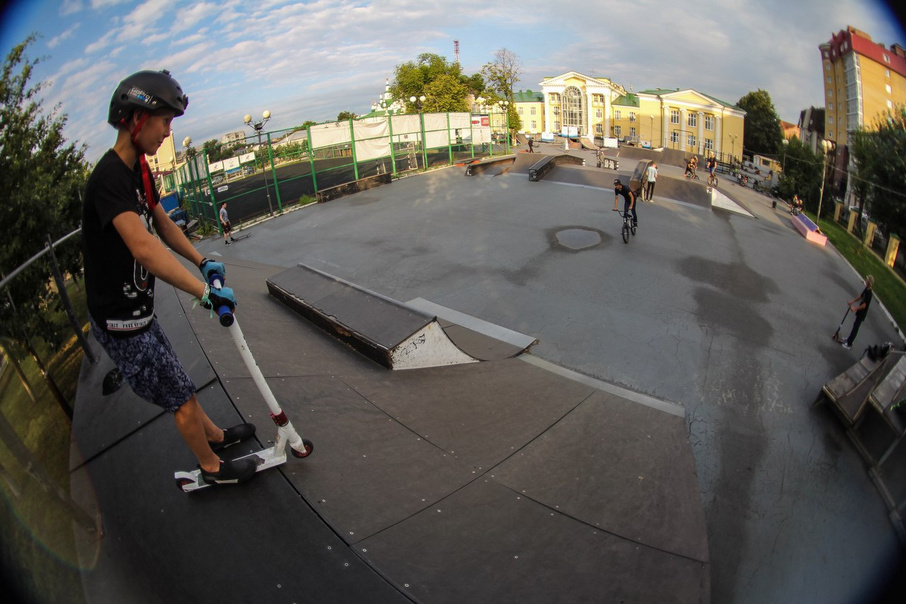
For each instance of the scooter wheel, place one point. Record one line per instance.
(309, 447)
(182, 483)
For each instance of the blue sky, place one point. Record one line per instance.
(311, 60)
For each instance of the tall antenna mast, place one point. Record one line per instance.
(456, 51)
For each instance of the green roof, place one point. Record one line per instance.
(527, 96)
(627, 100)
(664, 91)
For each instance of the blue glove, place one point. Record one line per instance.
(215, 298)
(209, 268)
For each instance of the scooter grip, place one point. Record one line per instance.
(224, 312)
(226, 316)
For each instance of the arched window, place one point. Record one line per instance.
(574, 109)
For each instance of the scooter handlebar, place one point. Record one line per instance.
(223, 311)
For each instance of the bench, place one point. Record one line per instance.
(809, 229)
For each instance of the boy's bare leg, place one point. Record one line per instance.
(197, 429)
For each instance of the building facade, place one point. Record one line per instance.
(597, 107)
(862, 81)
(530, 108)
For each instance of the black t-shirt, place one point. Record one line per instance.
(866, 298)
(624, 191)
(120, 291)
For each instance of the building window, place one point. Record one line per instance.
(709, 122)
(519, 110)
(889, 104)
(597, 98)
(632, 133)
(830, 120)
(830, 92)
(709, 144)
(888, 88)
(533, 111)
(674, 136)
(617, 131)
(534, 126)
(599, 113)
(692, 120)
(632, 113)
(886, 59)
(830, 106)
(887, 73)
(829, 80)
(616, 114)
(826, 66)
(674, 116)
(599, 129)
(690, 140)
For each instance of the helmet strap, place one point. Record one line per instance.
(143, 163)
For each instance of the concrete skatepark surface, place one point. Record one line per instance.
(723, 314)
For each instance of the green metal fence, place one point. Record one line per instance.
(268, 172)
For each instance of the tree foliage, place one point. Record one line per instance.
(41, 177)
(763, 133)
(346, 115)
(502, 73)
(802, 170)
(443, 84)
(880, 176)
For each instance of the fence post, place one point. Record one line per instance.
(311, 160)
(355, 163)
(270, 155)
(424, 146)
(67, 303)
(207, 172)
(392, 146)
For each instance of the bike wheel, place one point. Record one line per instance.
(632, 228)
(625, 233)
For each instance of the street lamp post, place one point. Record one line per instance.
(257, 126)
(418, 102)
(827, 147)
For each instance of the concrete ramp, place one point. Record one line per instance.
(587, 144)
(391, 333)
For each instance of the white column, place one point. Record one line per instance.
(701, 131)
(684, 128)
(607, 109)
(665, 125)
(718, 141)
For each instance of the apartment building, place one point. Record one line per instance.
(862, 80)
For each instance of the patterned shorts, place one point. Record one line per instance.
(149, 364)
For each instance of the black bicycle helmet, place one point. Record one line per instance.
(149, 90)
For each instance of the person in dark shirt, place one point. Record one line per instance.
(628, 200)
(862, 302)
(124, 233)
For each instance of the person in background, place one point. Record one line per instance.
(862, 302)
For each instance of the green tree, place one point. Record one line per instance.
(880, 176)
(41, 177)
(802, 169)
(346, 115)
(763, 134)
(445, 93)
(412, 79)
(502, 74)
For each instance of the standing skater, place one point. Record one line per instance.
(861, 310)
(650, 180)
(123, 256)
(225, 222)
(531, 143)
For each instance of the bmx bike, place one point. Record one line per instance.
(628, 227)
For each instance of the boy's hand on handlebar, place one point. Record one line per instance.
(209, 269)
(215, 298)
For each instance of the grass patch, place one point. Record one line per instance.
(38, 553)
(889, 287)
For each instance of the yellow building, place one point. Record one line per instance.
(862, 80)
(530, 108)
(163, 163)
(596, 107)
